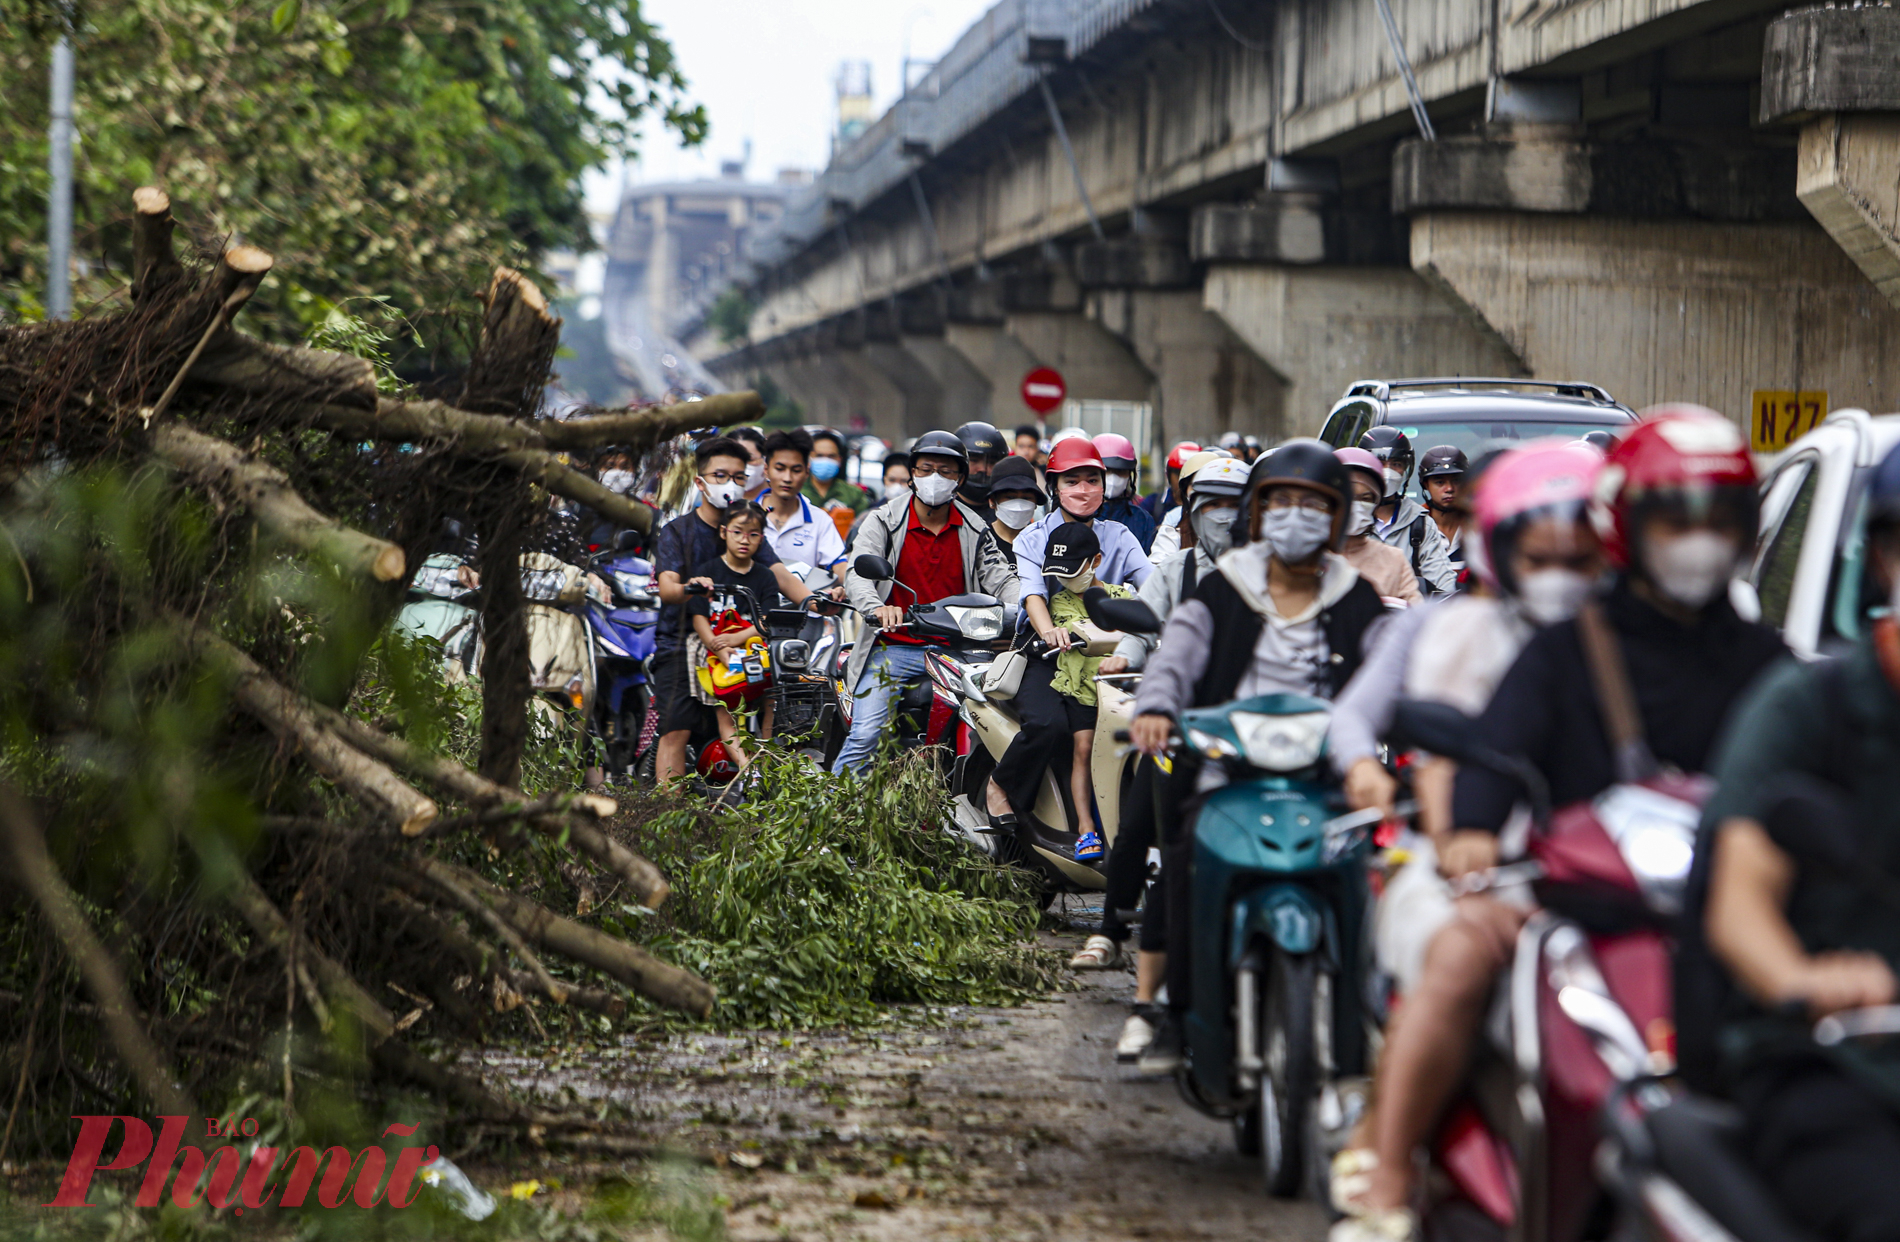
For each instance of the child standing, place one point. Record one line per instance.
(741, 534)
(1071, 558)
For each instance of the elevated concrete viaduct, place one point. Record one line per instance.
(1229, 211)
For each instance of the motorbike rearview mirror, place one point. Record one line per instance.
(1127, 616)
(870, 565)
(1437, 727)
(1812, 821)
(628, 541)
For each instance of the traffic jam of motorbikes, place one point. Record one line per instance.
(1493, 796)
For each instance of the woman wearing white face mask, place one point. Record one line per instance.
(1014, 496)
(1283, 612)
(1384, 566)
(1120, 500)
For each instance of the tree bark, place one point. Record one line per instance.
(640, 430)
(295, 720)
(438, 421)
(542, 468)
(279, 373)
(506, 376)
(266, 492)
(34, 868)
(630, 964)
(153, 262)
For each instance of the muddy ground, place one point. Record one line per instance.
(979, 1124)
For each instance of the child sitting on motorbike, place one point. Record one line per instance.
(740, 536)
(1071, 559)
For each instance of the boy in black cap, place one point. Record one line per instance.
(1069, 561)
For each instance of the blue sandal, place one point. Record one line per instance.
(1088, 847)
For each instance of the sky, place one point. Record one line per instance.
(764, 70)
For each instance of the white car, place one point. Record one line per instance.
(1809, 566)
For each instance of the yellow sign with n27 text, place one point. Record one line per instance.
(1782, 416)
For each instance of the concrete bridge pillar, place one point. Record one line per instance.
(1094, 362)
(964, 392)
(872, 400)
(817, 385)
(1322, 327)
(1207, 380)
(1659, 310)
(1000, 360)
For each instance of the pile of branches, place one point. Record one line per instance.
(335, 885)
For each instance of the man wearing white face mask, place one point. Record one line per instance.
(1014, 496)
(753, 441)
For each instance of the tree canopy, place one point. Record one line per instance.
(380, 148)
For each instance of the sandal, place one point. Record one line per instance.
(1003, 824)
(1351, 1178)
(1098, 953)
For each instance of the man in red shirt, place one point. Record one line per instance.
(938, 547)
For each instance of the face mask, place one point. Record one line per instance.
(1077, 582)
(1116, 486)
(976, 491)
(824, 469)
(723, 495)
(1692, 569)
(1016, 514)
(1552, 595)
(620, 481)
(1393, 478)
(1296, 534)
(754, 475)
(1361, 520)
(1214, 530)
(934, 489)
(1077, 515)
(897, 491)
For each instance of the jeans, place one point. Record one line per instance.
(885, 674)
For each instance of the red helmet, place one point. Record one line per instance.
(1682, 458)
(1180, 453)
(1118, 453)
(1073, 454)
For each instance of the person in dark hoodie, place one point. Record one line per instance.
(1675, 506)
(1284, 612)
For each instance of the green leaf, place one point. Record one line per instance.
(284, 17)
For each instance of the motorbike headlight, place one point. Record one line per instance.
(1211, 746)
(1656, 835)
(1281, 743)
(630, 583)
(794, 653)
(978, 624)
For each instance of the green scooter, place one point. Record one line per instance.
(1280, 937)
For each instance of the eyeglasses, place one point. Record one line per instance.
(723, 476)
(925, 470)
(1297, 500)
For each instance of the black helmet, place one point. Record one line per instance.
(1307, 463)
(941, 444)
(1441, 461)
(1883, 493)
(1389, 445)
(981, 441)
(1601, 440)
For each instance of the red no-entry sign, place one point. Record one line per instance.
(1043, 389)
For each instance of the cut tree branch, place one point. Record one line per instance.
(630, 964)
(266, 492)
(36, 871)
(444, 882)
(153, 261)
(542, 468)
(294, 720)
(639, 430)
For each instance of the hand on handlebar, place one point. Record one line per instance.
(1831, 982)
(1149, 734)
(1368, 784)
(1468, 850)
(1113, 664)
(888, 615)
(1055, 637)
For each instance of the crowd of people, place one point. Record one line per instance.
(1318, 570)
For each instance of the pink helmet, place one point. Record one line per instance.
(1117, 452)
(1544, 476)
(1362, 459)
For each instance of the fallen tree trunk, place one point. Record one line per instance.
(630, 964)
(266, 493)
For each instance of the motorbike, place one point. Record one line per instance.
(1586, 1032)
(441, 605)
(621, 630)
(1278, 1018)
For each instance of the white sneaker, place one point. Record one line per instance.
(1137, 1034)
(1399, 1226)
(1099, 953)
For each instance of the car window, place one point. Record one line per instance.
(1847, 604)
(1477, 438)
(1781, 549)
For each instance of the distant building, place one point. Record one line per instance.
(670, 247)
(855, 111)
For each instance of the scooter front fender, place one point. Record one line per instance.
(1285, 914)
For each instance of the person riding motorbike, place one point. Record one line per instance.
(1076, 478)
(827, 487)
(1674, 506)
(1213, 501)
(1015, 495)
(986, 446)
(1402, 521)
(1168, 538)
(1822, 1125)
(1283, 612)
(1166, 497)
(1441, 471)
(938, 547)
(1379, 563)
(1122, 503)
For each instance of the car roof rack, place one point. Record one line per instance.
(1383, 389)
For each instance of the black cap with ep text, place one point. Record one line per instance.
(1071, 546)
